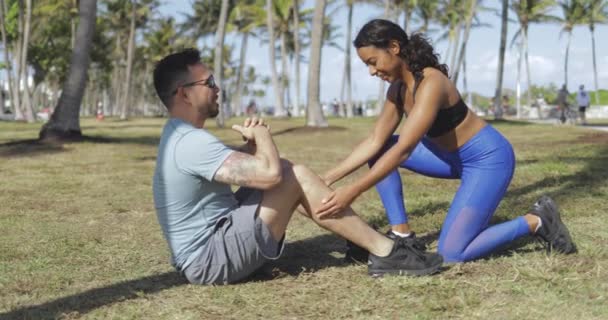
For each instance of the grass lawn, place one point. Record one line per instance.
(79, 236)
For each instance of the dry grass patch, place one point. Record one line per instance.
(79, 237)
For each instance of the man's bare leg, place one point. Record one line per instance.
(302, 186)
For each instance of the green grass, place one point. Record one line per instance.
(79, 236)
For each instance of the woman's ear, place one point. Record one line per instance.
(394, 47)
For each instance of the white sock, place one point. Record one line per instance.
(540, 224)
(402, 235)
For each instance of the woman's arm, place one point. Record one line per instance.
(384, 127)
(429, 96)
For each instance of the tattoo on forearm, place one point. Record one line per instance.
(239, 168)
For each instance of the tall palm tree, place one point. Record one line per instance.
(9, 67)
(574, 14)
(470, 14)
(347, 59)
(314, 114)
(426, 10)
(296, 49)
(276, 84)
(597, 13)
(65, 122)
(217, 62)
(245, 18)
(527, 12)
(130, 52)
(501, 59)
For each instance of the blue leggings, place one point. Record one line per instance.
(485, 166)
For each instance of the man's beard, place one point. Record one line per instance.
(211, 111)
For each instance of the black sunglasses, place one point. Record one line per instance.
(209, 82)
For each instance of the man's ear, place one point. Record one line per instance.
(183, 94)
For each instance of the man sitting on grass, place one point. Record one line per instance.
(216, 236)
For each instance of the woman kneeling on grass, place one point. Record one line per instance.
(440, 138)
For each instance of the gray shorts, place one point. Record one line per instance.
(240, 244)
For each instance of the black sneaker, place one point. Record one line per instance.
(355, 253)
(404, 259)
(553, 231)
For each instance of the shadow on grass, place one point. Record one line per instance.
(143, 140)
(28, 148)
(509, 122)
(84, 302)
(304, 256)
(589, 178)
(303, 130)
(308, 255)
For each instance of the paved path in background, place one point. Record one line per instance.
(555, 122)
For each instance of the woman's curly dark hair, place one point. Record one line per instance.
(415, 50)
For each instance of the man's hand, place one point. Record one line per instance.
(254, 122)
(249, 124)
(249, 133)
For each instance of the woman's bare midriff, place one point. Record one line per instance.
(456, 138)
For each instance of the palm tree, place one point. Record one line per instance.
(276, 84)
(470, 14)
(245, 17)
(597, 13)
(65, 122)
(426, 10)
(574, 14)
(296, 40)
(9, 72)
(527, 12)
(130, 50)
(501, 59)
(217, 62)
(347, 59)
(314, 114)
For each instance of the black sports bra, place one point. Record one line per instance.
(447, 119)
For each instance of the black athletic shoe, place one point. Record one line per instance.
(404, 259)
(553, 231)
(355, 253)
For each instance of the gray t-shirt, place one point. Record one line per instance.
(188, 201)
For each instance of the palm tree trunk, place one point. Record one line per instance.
(65, 122)
(9, 65)
(458, 31)
(284, 71)
(27, 103)
(124, 113)
(348, 71)
(217, 63)
(237, 108)
(501, 58)
(314, 114)
(528, 75)
(407, 17)
(597, 92)
(296, 35)
(276, 84)
(566, 58)
(467, 31)
(518, 85)
(381, 90)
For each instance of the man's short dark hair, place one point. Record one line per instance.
(172, 71)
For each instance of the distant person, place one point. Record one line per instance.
(562, 102)
(438, 136)
(216, 236)
(582, 99)
(251, 109)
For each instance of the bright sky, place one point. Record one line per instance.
(546, 55)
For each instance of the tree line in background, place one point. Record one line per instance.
(81, 57)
